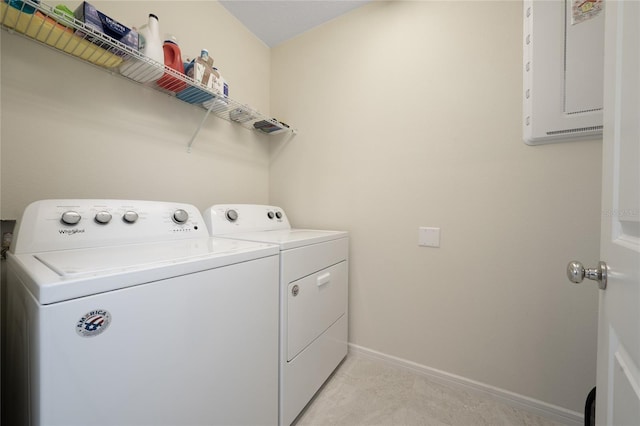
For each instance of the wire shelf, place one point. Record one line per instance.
(46, 25)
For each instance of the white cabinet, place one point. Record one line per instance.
(562, 71)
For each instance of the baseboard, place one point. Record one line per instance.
(549, 411)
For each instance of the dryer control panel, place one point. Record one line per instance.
(233, 218)
(83, 223)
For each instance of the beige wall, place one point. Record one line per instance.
(410, 115)
(71, 130)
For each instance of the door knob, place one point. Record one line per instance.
(576, 273)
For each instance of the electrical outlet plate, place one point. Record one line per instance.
(428, 237)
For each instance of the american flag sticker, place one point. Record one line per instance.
(93, 323)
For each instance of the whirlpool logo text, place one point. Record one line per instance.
(71, 231)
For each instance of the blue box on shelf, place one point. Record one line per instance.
(97, 20)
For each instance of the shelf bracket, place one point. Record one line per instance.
(195, 134)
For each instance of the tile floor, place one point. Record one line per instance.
(368, 392)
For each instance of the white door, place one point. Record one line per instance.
(618, 377)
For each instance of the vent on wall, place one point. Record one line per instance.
(563, 65)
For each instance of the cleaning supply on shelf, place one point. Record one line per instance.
(202, 72)
(24, 7)
(219, 84)
(267, 126)
(173, 60)
(63, 12)
(242, 114)
(62, 18)
(150, 45)
(98, 21)
(218, 103)
(35, 26)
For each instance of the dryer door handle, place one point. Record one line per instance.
(323, 279)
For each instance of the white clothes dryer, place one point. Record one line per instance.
(313, 295)
(128, 313)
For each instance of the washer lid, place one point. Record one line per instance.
(290, 238)
(100, 261)
(61, 275)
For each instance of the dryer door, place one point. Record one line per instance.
(314, 303)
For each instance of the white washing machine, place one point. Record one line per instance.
(313, 295)
(129, 313)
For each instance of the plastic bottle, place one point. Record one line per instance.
(151, 47)
(172, 59)
(203, 59)
(204, 54)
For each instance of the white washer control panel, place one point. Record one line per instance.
(79, 223)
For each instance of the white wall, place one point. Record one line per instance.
(70, 130)
(410, 115)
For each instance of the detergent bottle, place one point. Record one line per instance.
(173, 60)
(151, 46)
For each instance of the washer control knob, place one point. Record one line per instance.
(270, 215)
(279, 214)
(103, 217)
(180, 216)
(130, 216)
(232, 215)
(70, 217)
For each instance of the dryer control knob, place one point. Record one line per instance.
(232, 215)
(279, 214)
(180, 216)
(103, 217)
(270, 215)
(70, 217)
(130, 216)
